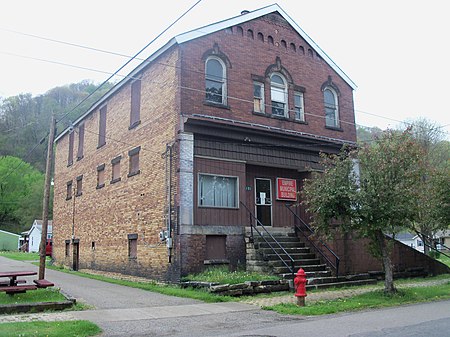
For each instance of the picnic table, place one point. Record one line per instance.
(12, 286)
(13, 275)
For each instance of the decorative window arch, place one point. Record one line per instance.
(330, 97)
(278, 94)
(215, 80)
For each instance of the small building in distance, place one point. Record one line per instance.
(9, 241)
(35, 234)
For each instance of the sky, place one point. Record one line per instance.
(395, 51)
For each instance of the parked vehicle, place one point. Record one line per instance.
(49, 248)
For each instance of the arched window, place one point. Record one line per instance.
(331, 108)
(278, 95)
(215, 84)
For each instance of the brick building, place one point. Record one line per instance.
(225, 118)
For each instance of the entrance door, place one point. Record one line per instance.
(263, 200)
(76, 255)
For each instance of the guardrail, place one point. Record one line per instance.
(333, 264)
(254, 225)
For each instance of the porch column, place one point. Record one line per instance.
(186, 178)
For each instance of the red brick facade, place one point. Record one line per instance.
(115, 201)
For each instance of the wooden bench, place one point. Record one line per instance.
(11, 290)
(43, 283)
(6, 283)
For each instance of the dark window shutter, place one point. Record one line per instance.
(102, 127)
(70, 154)
(135, 103)
(80, 142)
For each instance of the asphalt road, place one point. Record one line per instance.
(123, 311)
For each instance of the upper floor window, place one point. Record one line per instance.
(215, 85)
(69, 190)
(115, 163)
(80, 142)
(135, 112)
(102, 127)
(100, 176)
(299, 107)
(79, 186)
(331, 108)
(258, 97)
(134, 161)
(278, 95)
(70, 154)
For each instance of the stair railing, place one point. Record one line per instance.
(333, 264)
(254, 225)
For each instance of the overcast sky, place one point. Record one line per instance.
(395, 51)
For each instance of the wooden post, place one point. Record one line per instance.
(46, 200)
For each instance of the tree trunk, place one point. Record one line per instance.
(387, 263)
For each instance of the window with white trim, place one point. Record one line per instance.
(331, 108)
(299, 107)
(258, 97)
(278, 95)
(217, 191)
(215, 84)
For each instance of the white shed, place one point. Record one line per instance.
(34, 235)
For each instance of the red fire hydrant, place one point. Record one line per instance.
(300, 282)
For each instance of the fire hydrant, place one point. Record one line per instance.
(300, 282)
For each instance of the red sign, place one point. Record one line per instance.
(286, 189)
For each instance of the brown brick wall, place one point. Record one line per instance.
(133, 205)
(193, 259)
(252, 57)
(355, 257)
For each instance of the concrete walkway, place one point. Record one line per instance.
(115, 303)
(121, 310)
(338, 293)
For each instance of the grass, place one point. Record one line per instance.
(49, 329)
(171, 290)
(38, 295)
(370, 300)
(21, 256)
(222, 275)
(444, 259)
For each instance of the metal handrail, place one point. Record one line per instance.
(254, 227)
(436, 250)
(336, 263)
(433, 248)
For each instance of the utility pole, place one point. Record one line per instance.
(46, 201)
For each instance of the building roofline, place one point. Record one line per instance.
(205, 30)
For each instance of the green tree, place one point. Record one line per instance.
(433, 203)
(21, 193)
(372, 199)
(24, 119)
(366, 134)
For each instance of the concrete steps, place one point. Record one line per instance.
(261, 258)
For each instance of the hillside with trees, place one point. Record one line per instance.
(24, 125)
(25, 120)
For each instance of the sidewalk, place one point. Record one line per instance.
(337, 293)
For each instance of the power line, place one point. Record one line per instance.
(106, 81)
(131, 59)
(188, 88)
(70, 44)
(25, 159)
